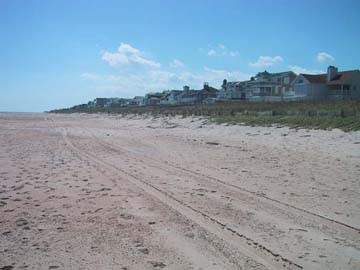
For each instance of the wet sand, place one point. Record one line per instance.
(105, 192)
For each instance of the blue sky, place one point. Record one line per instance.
(60, 53)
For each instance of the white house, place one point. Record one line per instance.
(331, 85)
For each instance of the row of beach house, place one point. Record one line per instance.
(265, 86)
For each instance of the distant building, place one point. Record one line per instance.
(332, 85)
(208, 94)
(152, 99)
(189, 97)
(231, 90)
(186, 96)
(171, 98)
(205, 95)
(137, 101)
(100, 102)
(272, 84)
(343, 85)
(263, 84)
(310, 86)
(107, 102)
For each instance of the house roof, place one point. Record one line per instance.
(284, 73)
(318, 78)
(340, 78)
(190, 93)
(343, 76)
(154, 95)
(176, 92)
(210, 89)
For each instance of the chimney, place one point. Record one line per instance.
(331, 73)
(206, 86)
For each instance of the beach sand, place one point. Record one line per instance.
(108, 192)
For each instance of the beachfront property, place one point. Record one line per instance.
(137, 101)
(263, 84)
(189, 97)
(108, 102)
(153, 98)
(232, 90)
(186, 96)
(331, 85)
(272, 84)
(287, 85)
(171, 97)
(204, 95)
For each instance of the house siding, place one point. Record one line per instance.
(311, 90)
(355, 86)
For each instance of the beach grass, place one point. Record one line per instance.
(314, 122)
(344, 115)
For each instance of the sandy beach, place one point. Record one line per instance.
(108, 192)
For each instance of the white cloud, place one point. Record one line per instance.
(212, 52)
(233, 53)
(217, 75)
(176, 63)
(132, 80)
(221, 50)
(323, 57)
(267, 61)
(90, 76)
(126, 55)
(222, 46)
(141, 82)
(299, 70)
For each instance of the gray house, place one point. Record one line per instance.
(152, 99)
(232, 90)
(171, 98)
(332, 85)
(264, 84)
(272, 84)
(310, 86)
(189, 97)
(137, 101)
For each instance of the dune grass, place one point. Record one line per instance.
(344, 115)
(315, 122)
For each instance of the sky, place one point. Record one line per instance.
(59, 53)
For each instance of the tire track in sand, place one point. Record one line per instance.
(247, 246)
(253, 193)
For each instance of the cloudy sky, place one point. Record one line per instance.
(60, 53)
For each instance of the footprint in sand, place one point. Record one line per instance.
(7, 267)
(143, 250)
(21, 222)
(157, 265)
